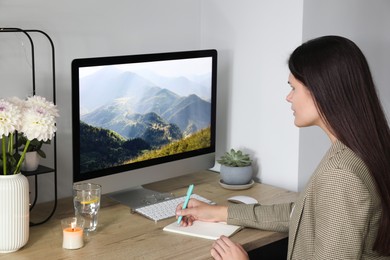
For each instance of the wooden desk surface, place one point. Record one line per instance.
(122, 235)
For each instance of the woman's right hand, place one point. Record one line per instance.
(198, 210)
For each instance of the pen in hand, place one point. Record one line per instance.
(189, 192)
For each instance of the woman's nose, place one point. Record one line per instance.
(288, 97)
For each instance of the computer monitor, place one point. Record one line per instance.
(138, 119)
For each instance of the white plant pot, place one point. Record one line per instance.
(236, 175)
(14, 212)
(31, 161)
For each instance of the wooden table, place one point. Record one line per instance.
(122, 235)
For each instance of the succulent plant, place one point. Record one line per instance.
(235, 159)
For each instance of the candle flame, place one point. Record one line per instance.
(73, 225)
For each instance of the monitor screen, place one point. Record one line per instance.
(148, 114)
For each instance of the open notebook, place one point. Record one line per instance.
(208, 230)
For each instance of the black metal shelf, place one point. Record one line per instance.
(41, 169)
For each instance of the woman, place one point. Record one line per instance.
(344, 211)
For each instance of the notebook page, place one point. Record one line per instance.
(208, 230)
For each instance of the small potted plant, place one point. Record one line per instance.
(33, 152)
(236, 168)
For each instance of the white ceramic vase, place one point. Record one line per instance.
(31, 161)
(14, 212)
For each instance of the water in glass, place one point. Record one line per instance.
(86, 199)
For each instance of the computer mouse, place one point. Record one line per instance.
(242, 199)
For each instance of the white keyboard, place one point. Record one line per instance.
(166, 209)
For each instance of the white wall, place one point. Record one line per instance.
(367, 23)
(84, 29)
(254, 39)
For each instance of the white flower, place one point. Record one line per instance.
(10, 116)
(46, 106)
(38, 120)
(35, 118)
(16, 101)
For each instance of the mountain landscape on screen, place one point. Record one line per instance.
(139, 118)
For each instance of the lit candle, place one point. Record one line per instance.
(73, 236)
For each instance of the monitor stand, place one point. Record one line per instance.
(138, 197)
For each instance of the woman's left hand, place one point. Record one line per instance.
(225, 249)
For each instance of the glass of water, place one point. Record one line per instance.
(86, 201)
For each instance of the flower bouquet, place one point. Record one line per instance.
(33, 118)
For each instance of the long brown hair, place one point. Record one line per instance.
(336, 72)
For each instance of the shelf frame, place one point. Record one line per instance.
(41, 169)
